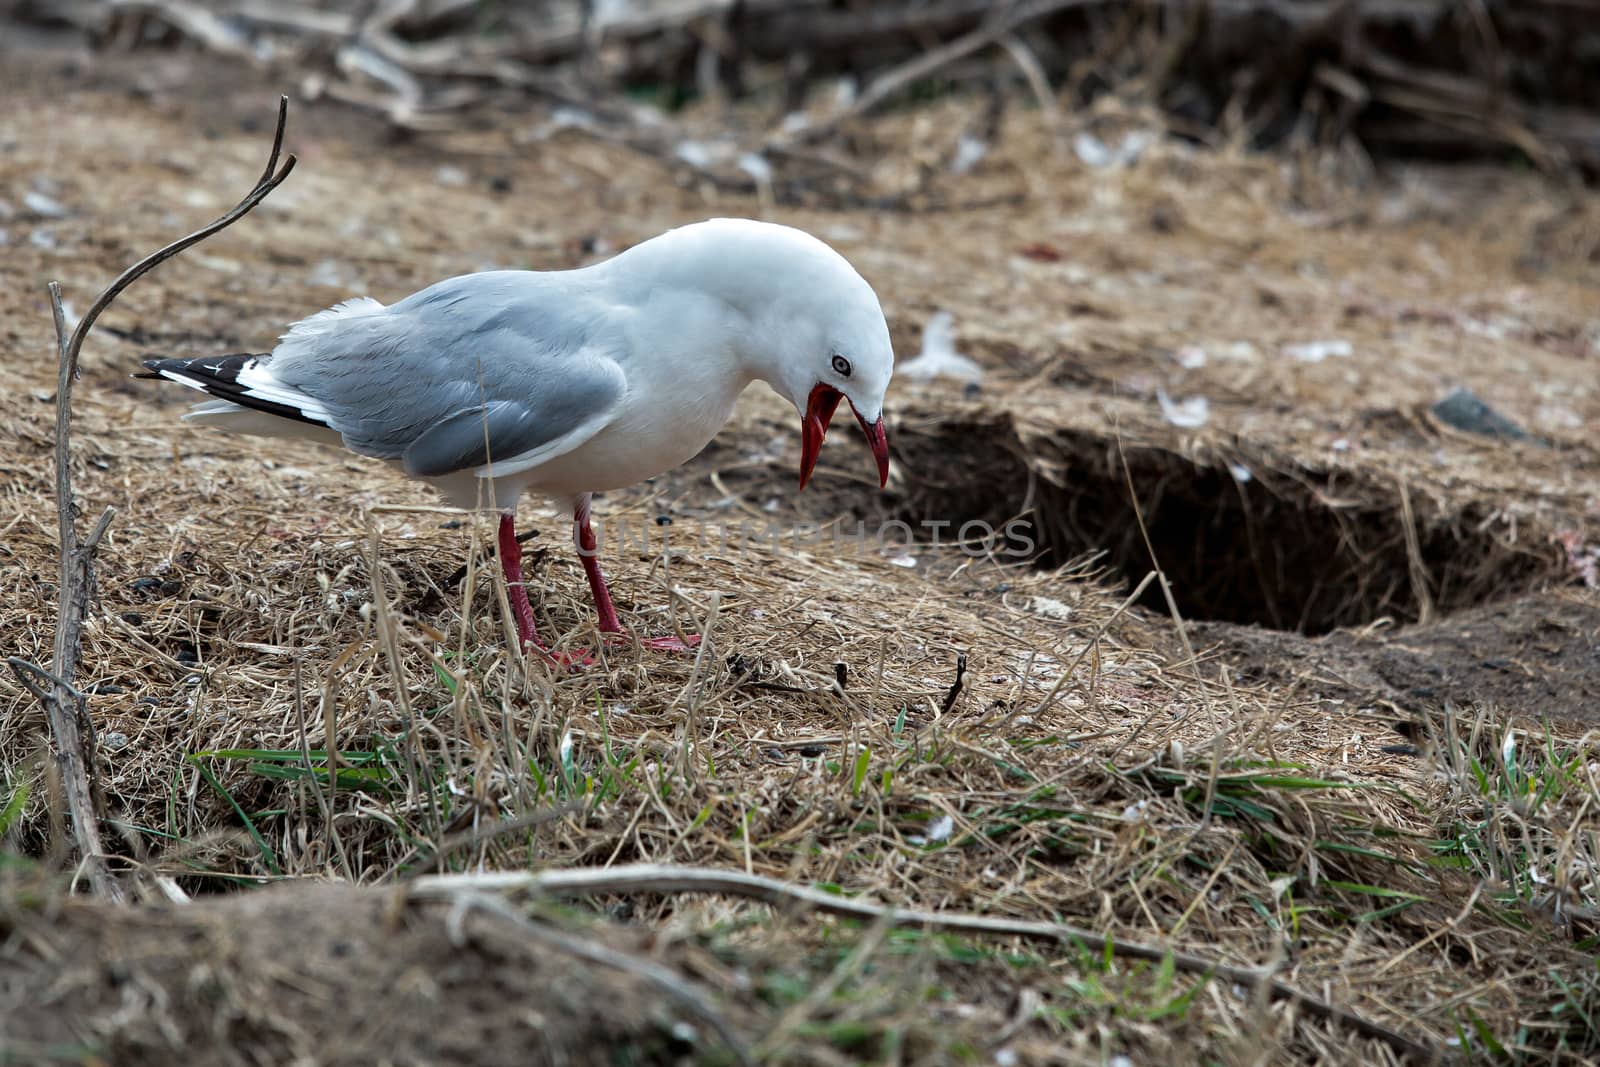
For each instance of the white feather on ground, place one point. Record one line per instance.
(939, 358)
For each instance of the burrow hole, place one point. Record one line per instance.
(1308, 552)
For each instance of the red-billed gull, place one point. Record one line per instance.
(567, 383)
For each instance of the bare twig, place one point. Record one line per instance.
(193, 21)
(1421, 587)
(65, 707)
(323, 797)
(272, 176)
(1161, 577)
(429, 851)
(1090, 646)
(823, 30)
(955, 687)
(1033, 73)
(892, 81)
(665, 879)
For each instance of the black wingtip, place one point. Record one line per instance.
(219, 376)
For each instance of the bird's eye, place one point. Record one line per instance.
(841, 366)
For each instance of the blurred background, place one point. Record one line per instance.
(760, 94)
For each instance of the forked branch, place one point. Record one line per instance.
(65, 706)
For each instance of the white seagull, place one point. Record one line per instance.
(567, 383)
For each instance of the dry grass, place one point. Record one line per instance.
(289, 687)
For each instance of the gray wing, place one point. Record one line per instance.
(503, 365)
(500, 429)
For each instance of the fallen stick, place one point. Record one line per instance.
(665, 879)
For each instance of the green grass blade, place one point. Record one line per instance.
(863, 760)
(14, 806)
(284, 755)
(446, 679)
(1374, 890)
(268, 857)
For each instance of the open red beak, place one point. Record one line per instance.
(820, 406)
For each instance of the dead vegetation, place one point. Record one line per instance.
(1492, 78)
(289, 686)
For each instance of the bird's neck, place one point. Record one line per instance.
(684, 355)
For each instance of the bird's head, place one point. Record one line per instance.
(804, 321)
(852, 363)
(817, 333)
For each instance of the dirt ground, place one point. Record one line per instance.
(1345, 558)
(221, 983)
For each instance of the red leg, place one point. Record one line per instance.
(521, 610)
(588, 552)
(511, 565)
